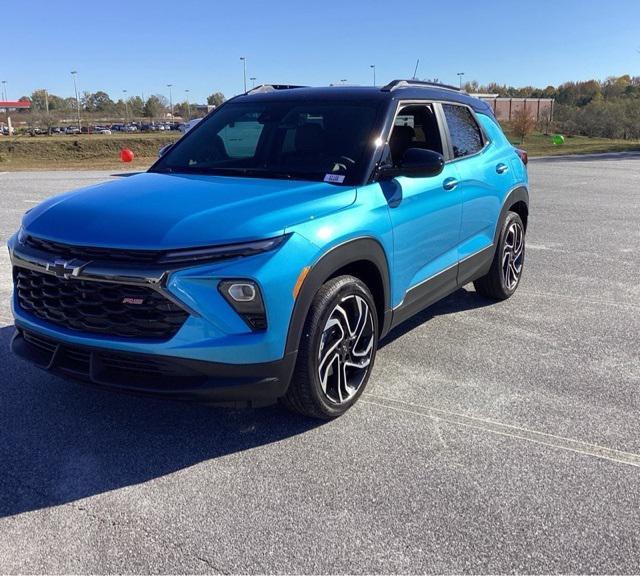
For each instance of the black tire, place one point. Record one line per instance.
(306, 394)
(505, 273)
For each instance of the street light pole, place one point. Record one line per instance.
(4, 89)
(253, 81)
(460, 75)
(75, 88)
(126, 108)
(373, 67)
(244, 71)
(188, 105)
(170, 100)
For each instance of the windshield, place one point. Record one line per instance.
(299, 140)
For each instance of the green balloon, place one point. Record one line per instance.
(557, 139)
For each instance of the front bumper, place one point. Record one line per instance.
(156, 375)
(214, 331)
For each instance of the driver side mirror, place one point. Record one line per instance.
(416, 163)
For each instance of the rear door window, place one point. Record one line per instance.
(466, 137)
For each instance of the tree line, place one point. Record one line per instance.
(47, 109)
(609, 108)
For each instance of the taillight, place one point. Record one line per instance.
(523, 156)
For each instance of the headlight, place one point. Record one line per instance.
(225, 252)
(22, 235)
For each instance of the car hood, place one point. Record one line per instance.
(158, 211)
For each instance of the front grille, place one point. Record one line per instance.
(69, 252)
(98, 307)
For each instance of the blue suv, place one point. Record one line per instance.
(266, 252)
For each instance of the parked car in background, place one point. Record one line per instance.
(266, 252)
(72, 130)
(184, 128)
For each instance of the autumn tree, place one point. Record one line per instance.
(522, 124)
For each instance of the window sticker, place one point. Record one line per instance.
(334, 178)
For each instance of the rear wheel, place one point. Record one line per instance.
(337, 350)
(506, 269)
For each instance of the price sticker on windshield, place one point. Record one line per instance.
(334, 178)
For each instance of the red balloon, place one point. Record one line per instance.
(126, 155)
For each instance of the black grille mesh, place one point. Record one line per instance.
(98, 307)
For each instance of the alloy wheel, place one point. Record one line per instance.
(513, 255)
(346, 349)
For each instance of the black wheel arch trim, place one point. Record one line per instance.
(359, 249)
(518, 194)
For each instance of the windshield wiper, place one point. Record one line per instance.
(238, 171)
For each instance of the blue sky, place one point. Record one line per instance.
(143, 45)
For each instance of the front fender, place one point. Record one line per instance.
(366, 249)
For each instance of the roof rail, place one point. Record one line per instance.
(272, 88)
(394, 84)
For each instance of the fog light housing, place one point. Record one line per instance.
(245, 298)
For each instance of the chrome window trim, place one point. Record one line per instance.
(443, 126)
(413, 102)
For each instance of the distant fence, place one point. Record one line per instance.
(540, 109)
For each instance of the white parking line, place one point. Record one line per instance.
(32, 201)
(509, 430)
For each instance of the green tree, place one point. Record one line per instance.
(97, 102)
(136, 106)
(39, 100)
(155, 106)
(183, 109)
(215, 99)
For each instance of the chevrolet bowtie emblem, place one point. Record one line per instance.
(66, 269)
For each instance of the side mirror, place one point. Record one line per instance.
(416, 163)
(165, 149)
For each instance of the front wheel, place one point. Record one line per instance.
(337, 350)
(506, 269)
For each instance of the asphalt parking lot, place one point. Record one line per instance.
(492, 438)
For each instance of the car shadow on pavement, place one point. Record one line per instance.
(61, 441)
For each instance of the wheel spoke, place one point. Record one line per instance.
(341, 378)
(340, 310)
(509, 240)
(363, 322)
(361, 364)
(506, 263)
(324, 372)
(513, 275)
(519, 241)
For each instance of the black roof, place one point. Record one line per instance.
(368, 93)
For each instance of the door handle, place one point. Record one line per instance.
(449, 183)
(502, 168)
